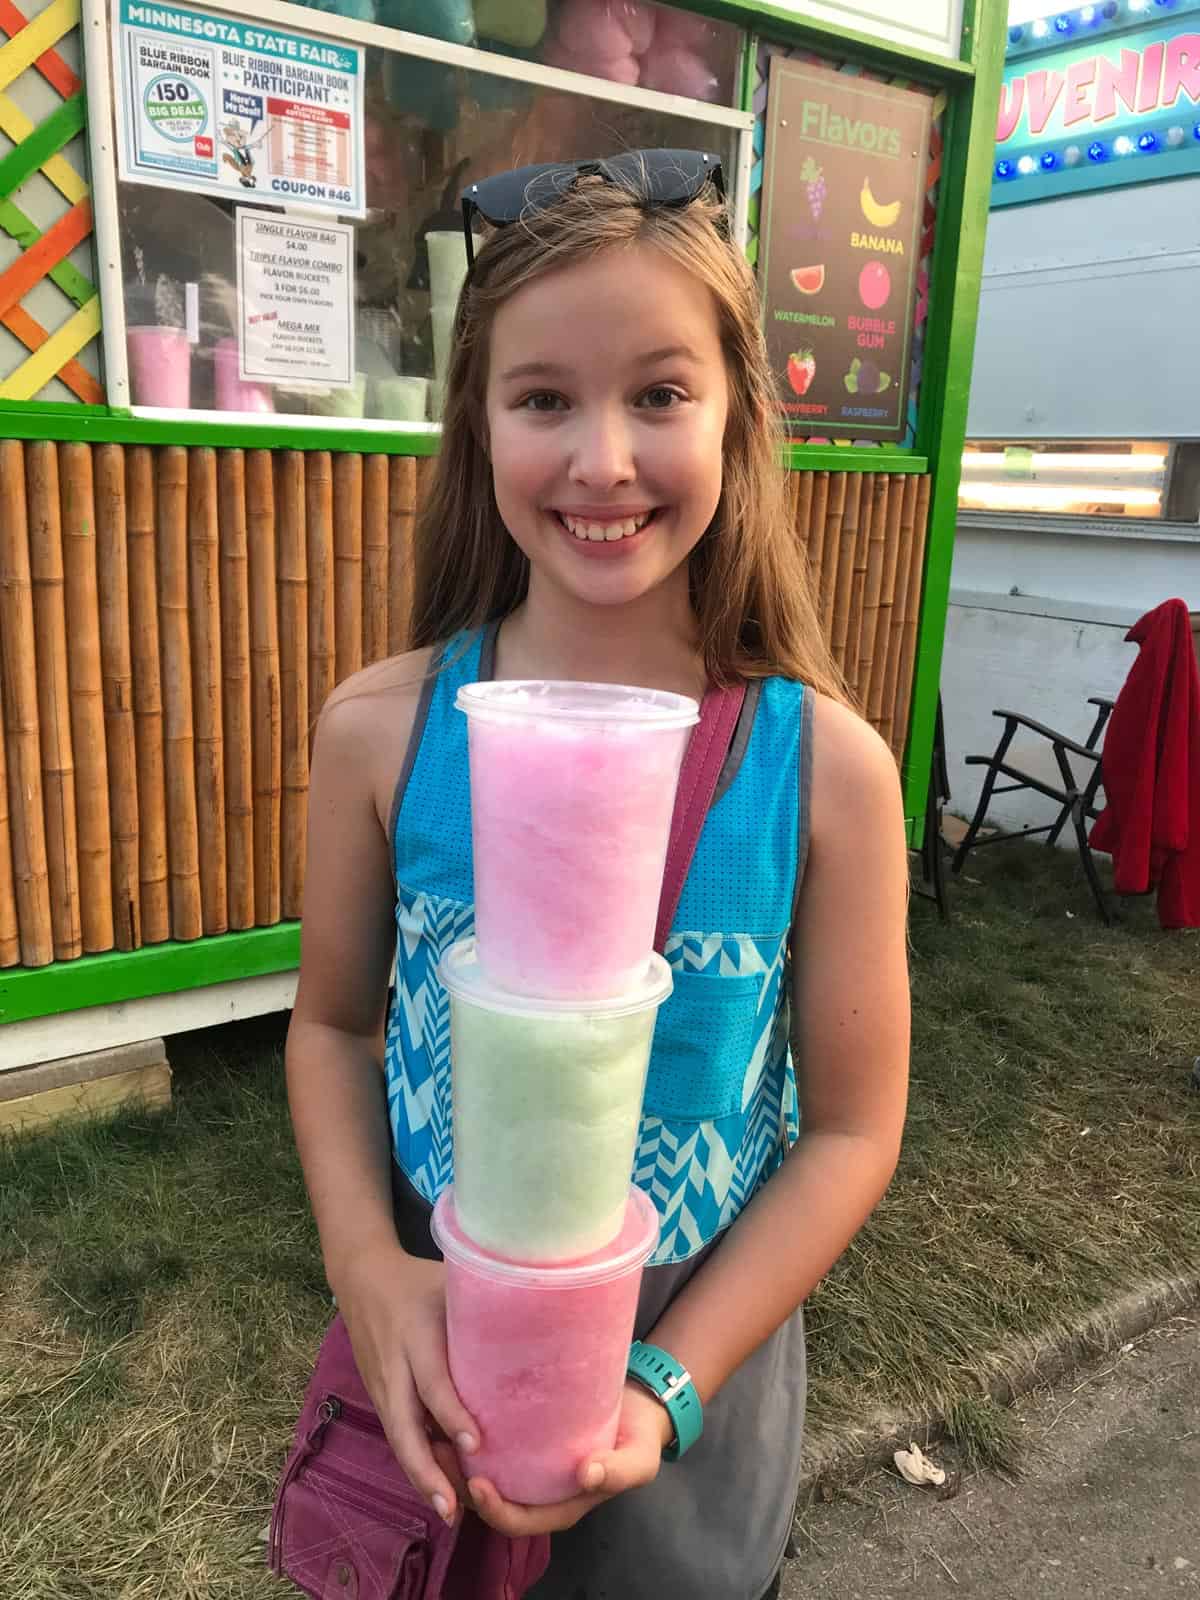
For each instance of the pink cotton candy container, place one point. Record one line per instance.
(572, 790)
(538, 1354)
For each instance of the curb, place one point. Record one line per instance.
(1003, 1376)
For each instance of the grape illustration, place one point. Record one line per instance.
(813, 177)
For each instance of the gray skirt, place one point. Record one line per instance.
(712, 1526)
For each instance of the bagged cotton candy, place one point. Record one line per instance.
(680, 72)
(639, 20)
(592, 32)
(621, 69)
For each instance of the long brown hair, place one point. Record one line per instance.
(748, 576)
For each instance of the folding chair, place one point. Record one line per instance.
(1076, 795)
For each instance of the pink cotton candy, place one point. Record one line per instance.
(679, 72)
(571, 828)
(591, 31)
(680, 30)
(638, 19)
(624, 69)
(541, 1364)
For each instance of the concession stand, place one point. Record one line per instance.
(230, 252)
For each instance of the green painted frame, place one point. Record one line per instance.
(973, 87)
(973, 98)
(117, 975)
(955, 280)
(105, 425)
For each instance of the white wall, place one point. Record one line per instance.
(1088, 329)
(1046, 648)
(1088, 326)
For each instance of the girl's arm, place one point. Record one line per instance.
(393, 1303)
(851, 1007)
(851, 1033)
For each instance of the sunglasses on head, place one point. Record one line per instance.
(652, 177)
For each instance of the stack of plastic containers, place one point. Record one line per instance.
(552, 1011)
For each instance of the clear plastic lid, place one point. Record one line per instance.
(546, 699)
(628, 1252)
(460, 971)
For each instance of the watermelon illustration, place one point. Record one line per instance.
(809, 280)
(801, 370)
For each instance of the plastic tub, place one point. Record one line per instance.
(572, 789)
(547, 1099)
(538, 1354)
(160, 366)
(232, 393)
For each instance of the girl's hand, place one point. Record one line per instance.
(395, 1311)
(643, 1432)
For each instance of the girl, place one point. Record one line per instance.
(608, 506)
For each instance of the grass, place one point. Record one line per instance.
(163, 1295)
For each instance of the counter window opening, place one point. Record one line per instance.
(1099, 479)
(288, 242)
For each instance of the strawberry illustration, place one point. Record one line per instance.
(812, 175)
(801, 370)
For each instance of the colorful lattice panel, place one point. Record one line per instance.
(49, 306)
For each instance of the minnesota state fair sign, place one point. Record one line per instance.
(1089, 101)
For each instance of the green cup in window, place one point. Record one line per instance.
(349, 402)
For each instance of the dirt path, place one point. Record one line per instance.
(1109, 1504)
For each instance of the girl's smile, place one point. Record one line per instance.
(606, 402)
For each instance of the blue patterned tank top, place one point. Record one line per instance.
(720, 1107)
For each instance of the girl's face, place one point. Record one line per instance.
(606, 407)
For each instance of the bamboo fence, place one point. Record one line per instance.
(172, 621)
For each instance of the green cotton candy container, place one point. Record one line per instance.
(547, 1099)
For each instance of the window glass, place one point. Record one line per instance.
(1139, 479)
(626, 41)
(430, 129)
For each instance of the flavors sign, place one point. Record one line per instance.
(843, 193)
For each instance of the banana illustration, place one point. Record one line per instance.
(878, 216)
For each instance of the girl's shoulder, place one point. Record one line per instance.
(855, 780)
(366, 723)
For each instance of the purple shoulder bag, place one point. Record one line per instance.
(347, 1523)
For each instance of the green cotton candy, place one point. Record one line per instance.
(451, 20)
(356, 10)
(422, 89)
(501, 94)
(517, 22)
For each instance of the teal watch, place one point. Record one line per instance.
(671, 1383)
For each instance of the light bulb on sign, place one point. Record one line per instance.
(1147, 142)
(1040, 29)
(1096, 151)
(1123, 146)
(1004, 169)
(1087, 16)
(1175, 137)
(1026, 165)
(1049, 161)
(1072, 155)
